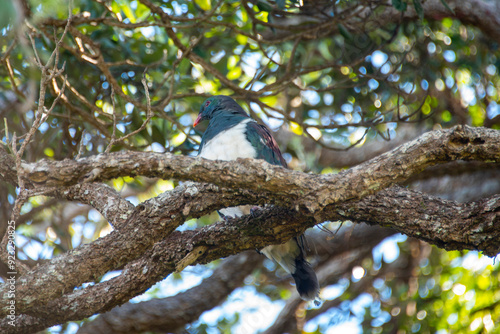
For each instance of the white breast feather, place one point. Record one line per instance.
(229, 145)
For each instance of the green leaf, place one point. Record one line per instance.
(234, 74)
(344, 32)
(399, 5)
(157, 135)
(204, 4)
(419, 9)
(142, 11)
(264, 6)
(447, 6)
(127, 10)
(7, 13)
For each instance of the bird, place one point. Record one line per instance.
(233, 134)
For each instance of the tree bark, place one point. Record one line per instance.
(146, 246)
(170, 314)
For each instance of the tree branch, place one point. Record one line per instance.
(167, 315)
(224, 238)
(312, 191)
(101, 197)
(483, 14)
(271, 226)
(448, 224)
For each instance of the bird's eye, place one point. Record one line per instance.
(207, 104)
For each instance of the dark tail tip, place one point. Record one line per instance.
(306, 281)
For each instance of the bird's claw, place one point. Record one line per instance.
(254, 210)
(223, 216)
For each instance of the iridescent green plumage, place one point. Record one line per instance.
(232, 134)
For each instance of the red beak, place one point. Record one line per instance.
(197, 121)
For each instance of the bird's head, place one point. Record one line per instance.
(218, 104)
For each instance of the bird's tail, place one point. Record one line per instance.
(291, 257)
(306, 281)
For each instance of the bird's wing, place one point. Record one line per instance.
(261, 139)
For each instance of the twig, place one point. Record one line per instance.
(80, 146)
(149, 115)
(48, 72)
(113, 134)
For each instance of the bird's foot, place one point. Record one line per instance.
(223, 216)
(254, 211)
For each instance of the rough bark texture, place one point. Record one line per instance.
(147, 248)
(459, 143)
(144, 244)
(355, 155)
(480, 13)
(449, 224)
(170, 314)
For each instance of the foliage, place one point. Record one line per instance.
(339, 73)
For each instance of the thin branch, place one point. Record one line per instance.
(149, 115)
(113, 139)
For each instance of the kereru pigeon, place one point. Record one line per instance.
(232, 134)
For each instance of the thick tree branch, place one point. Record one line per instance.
(312, 191)
(157, 218)
(355, 155)
(112, 251)
(449, 224)
(230, 237)
(483, 14)
(165, 314)
(101, 197)
(134, 317)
